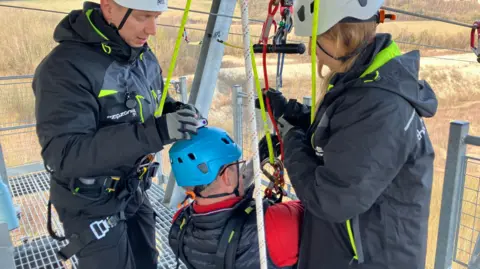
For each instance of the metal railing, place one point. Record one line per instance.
(458, 241)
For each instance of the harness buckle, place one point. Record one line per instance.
(100, 228)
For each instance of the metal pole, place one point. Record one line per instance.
(183, 89)
(206, 76)
(3, 167)
(237, 104)
(452, 194)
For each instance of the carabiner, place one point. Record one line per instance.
(476, 50)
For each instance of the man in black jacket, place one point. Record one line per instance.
(98, 95)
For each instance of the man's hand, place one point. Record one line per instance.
(277, 102)
(177, 125)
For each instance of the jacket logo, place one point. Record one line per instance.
(422, 131)
(160, 2)
(319, 151)
(123, 114)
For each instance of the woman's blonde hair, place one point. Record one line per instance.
(349, 36)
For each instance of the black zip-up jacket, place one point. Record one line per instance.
(83, 124)
(364, 169)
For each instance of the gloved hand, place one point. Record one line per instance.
(277, 102)
(177, 125)
(263, 147)
(190, 106)
(175, 106)
(284, 126)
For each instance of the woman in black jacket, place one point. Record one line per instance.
(364, 168)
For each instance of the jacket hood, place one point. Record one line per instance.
(384, 67)
(89, 27)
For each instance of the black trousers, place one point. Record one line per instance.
(129, 245)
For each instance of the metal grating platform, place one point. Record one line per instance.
(35, 249)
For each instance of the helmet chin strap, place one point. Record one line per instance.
(122, 23)
(235, 191)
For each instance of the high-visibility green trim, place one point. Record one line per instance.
(182, 224)
(104, 93)
(352, 239)
(139, 97)
(88, 13)
(383, 57)
(154, 94)
(231, 236)
(377, 75)
(330, 86)
(106, 48)
(248, 210)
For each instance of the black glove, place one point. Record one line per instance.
(175, 106)
(277, 102)
(177, 125)
(297, 114)
(263, 147)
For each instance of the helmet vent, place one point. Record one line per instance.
(180, 160)
(203, 168)
(301, 13)
(191, 156)
(363, 3)
(225, 140)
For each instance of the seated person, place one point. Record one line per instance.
(219, 228)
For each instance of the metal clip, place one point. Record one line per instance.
(99, 228)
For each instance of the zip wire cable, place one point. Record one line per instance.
(248, 52)
(261, 21)
(214, 14)
(427, 17)
(296, 41)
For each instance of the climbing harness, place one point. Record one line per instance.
(145, 169)
(279, 45)
(475, 29)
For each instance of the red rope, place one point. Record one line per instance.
(272, 10)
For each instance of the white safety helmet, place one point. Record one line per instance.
(146, 5)
(330, 13)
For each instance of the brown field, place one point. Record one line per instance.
(456, 83)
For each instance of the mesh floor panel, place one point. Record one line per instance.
(34, 248)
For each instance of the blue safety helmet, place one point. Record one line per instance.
(198, 161)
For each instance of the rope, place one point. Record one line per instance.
(431, 46)
(248, 52)
(428, 17)
(215, 14)
(178, 42)
(313, 56)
